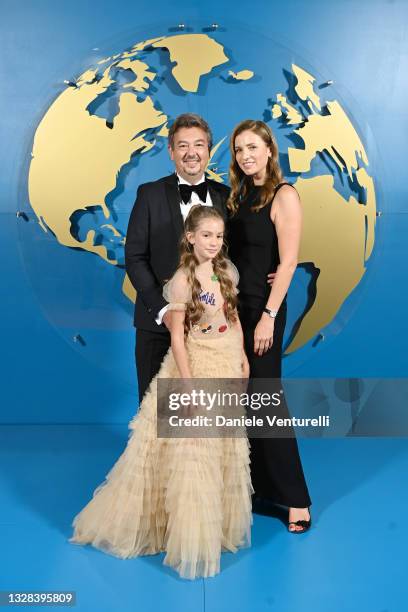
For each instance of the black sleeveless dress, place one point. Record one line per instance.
(276, 469)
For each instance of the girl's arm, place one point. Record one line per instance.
(238, 327)
(178, 345)
(245, 365)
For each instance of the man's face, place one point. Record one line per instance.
(190, 153)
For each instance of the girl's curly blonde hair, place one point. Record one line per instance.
(189, 262)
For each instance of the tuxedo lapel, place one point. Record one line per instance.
(173, 200)
(216, 198)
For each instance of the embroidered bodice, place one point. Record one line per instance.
(177, 292)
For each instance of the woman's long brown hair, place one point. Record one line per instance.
(239, 181)
(189, 262)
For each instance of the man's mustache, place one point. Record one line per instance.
(196, 158)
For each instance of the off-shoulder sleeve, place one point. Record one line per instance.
(233, 274)
(177, 291)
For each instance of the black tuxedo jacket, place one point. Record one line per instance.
(152, 243)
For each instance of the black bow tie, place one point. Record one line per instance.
(200, 189)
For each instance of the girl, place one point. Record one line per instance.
(189, 497)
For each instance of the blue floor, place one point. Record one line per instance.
(353, 559)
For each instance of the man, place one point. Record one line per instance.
(154, 230)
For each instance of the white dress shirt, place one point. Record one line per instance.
(185, 209)
(195, 198)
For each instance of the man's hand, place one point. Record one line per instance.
(271, 278)
(167, 319)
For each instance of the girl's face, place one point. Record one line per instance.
(252, 154)
(207, 240)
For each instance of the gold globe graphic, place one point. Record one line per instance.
(78, 155)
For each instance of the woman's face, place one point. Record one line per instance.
(207, 239)
(252, 154)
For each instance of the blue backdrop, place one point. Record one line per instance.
(47, 375)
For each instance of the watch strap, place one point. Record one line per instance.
(270, 313)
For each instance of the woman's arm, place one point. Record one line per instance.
(178, 345)
(288, 223)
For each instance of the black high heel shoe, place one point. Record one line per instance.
(301, 523)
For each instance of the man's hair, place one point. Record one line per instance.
(188, 120)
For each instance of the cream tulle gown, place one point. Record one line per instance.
(189, 497)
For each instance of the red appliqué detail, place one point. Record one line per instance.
(223, 328)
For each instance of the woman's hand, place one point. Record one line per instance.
(263, 334)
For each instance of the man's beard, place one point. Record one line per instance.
(189, 171)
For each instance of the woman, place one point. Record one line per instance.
(264, 232)
(189, 497)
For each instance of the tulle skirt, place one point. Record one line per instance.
(189, 497)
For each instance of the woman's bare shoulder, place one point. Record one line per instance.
(287, 191)
(286, 197)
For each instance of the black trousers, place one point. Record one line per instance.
(276, 468)
(149, 352)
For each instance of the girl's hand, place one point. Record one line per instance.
(245, 365)
(187, 388)
(263, 334)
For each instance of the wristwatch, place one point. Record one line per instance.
(270, 313)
